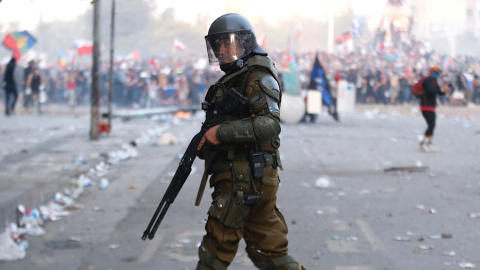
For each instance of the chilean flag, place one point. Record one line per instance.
(83, 47)
(178, 45)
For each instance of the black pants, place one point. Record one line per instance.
(430, 118)
(11, 95)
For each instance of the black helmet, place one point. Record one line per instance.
(237, 36)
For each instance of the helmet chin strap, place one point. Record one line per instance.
(232, 67)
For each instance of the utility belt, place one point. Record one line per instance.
(269, 159)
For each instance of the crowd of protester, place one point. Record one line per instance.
(381, 75)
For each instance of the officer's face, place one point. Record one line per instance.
(229, 50)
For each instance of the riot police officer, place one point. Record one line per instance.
(241, 153)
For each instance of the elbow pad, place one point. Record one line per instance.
(266, 128)
(236, 132)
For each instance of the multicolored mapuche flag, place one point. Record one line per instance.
(19, 43)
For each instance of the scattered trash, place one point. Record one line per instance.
(103, 183)
(175, 246)
(447, 235)
(351, 239)
(406, 169)
(9, 250)
(409, 233)
(449, 253)
(336, 237)
(426, 247)
(75, 238)
(322, 182)
(168, 139)
(364, 191)
(474, 215)
(83, 181)
(402, 238)
(131, 186)
(389, 190)
(435, 236)
(432, 211)
(319, 212)
(185, 241)
(13, 242)
(466, 265)
(80, 160)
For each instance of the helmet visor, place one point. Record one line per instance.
(227, 48)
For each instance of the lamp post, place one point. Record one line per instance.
(95, 105)
(110, 86)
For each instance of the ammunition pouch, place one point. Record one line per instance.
(229, 209)
(270, 159)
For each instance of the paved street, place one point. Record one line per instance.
(353, 193)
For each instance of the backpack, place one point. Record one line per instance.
(417, 89)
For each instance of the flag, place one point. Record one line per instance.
(72, 56)
(19, 43)
(298, 31)
(447, 61)
(392, 57)
(178, 45)
(152, 63)
(319, 81)
(83, 47)
(135, 55)
(345, 43)
(261, 40)
(61, 60)
(355, 28)
(290, 74)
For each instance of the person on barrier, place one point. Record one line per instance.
(241, 153)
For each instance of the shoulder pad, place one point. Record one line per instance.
(271, 87)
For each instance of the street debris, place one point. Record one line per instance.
(466, 265)
(14, 243)
(474, 215)
(322, 182)
(402, 238)
(9, 249)
(449, 253)
(168, 139)
(406, 169)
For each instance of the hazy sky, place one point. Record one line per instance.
(29, 12)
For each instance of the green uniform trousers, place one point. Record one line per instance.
(265, 229)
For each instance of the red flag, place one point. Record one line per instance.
(178, 45)
(261, 41)
(152, 63)
(135, 55)
(298, 32)
(83, 47)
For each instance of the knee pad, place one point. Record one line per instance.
(263, 262)
(207, 255)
